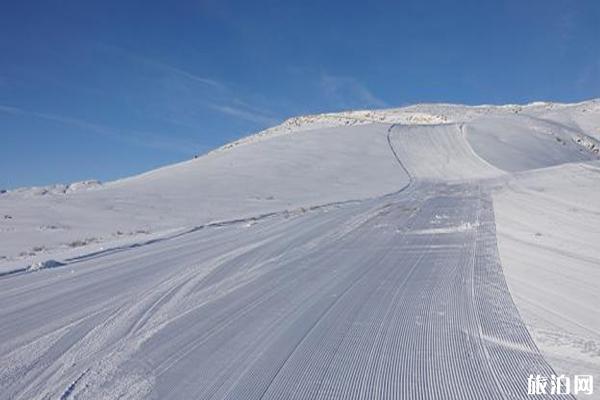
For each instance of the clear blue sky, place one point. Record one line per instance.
(114, 88)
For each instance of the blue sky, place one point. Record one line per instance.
(109, 89)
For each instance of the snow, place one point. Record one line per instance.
(329, 257)
(465, 226)
(519, 143)
(441, 153)
(283, 173)
(548, 234)
(348, 118)
(43, 265)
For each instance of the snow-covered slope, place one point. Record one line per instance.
(282, 173)
(329, 257)
(519, 143)
(441, 152)
(548, 236)
(304, 162)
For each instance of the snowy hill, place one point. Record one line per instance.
(450, 210)
(305, 162)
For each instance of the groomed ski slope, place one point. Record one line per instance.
(285, 172)
(381, 279)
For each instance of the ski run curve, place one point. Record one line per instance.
(364, 296)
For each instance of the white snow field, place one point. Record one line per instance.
(428, 252)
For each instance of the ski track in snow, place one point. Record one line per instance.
(400, 296)
(332, 305)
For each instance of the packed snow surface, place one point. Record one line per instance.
(434, 251)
